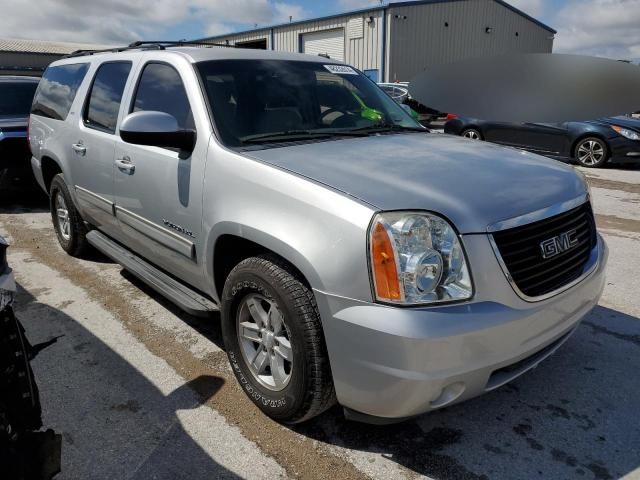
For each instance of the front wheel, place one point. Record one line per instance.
(591, 152)
(274, 340)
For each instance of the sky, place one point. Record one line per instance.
(607, 28)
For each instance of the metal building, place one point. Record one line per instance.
(31, 57)
(395, 42)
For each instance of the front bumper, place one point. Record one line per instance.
(624, 150)
(394, 363)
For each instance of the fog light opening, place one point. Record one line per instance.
(449, 394)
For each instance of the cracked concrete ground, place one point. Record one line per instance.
(141, 390)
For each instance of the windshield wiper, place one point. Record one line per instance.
(282, 136)
(298, 135)
(386, 127)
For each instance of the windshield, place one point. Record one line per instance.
(257, 101)
(16, 98)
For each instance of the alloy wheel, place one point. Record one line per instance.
(265, 341)
(62, 213)
(472, 134)
(590, 152)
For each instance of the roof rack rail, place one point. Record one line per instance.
(147, 45)
(177, 43)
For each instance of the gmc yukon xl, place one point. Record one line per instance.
(354, 256)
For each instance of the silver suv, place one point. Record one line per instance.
(354, 256)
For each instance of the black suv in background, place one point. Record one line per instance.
(16, 95)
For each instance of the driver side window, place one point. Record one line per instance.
(160, 89)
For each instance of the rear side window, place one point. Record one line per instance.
(103, 105)
(57, 89)
(161, 89)
(16, 98)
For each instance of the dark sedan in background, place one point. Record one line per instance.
(590, 143)
(16, 95)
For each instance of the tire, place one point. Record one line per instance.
(591, 152)
(289, 391)
(70, 228)
(471, 134)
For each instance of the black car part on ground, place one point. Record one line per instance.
(25, 452)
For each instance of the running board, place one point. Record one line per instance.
(184, 297)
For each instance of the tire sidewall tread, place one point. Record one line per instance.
(310, 390)
(77, 245)
(602, 162)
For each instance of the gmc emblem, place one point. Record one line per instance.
(556, 245)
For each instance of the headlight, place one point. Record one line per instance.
(417, 258)
(625, 132)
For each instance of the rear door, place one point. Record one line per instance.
(503, 133)
(158, 191)
(93, 147)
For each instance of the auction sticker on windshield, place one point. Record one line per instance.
(341, 69)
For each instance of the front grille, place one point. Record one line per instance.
(522, 255)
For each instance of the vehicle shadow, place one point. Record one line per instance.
(572, 417)
(209, 327)
(115, 423)
(25, 200)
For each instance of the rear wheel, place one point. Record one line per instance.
(68, 223)
(274, 340)
(472, 134)
(591, 152)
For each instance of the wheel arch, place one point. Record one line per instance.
(231, 243)
(582, 136)
(50, 167)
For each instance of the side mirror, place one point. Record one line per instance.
(156, 129)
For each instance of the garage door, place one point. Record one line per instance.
(326, 42)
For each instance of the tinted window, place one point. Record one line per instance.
(57, 90)
(254, 99)
(106, 93)
(160, 89)
(16, 98)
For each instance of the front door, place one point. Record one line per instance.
(93, 147)
(158, 191)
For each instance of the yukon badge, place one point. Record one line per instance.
(178, 228)
(556, 245)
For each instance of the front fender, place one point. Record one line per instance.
(320, 231)
(266, 240)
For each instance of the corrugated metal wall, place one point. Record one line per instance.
(418, 38)
(247, 37)
(363, 53)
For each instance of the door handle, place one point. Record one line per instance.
(79, 148)
(124, 164)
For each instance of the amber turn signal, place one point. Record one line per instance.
(385, 272)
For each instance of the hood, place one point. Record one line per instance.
(473, 184)
(623, 121)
